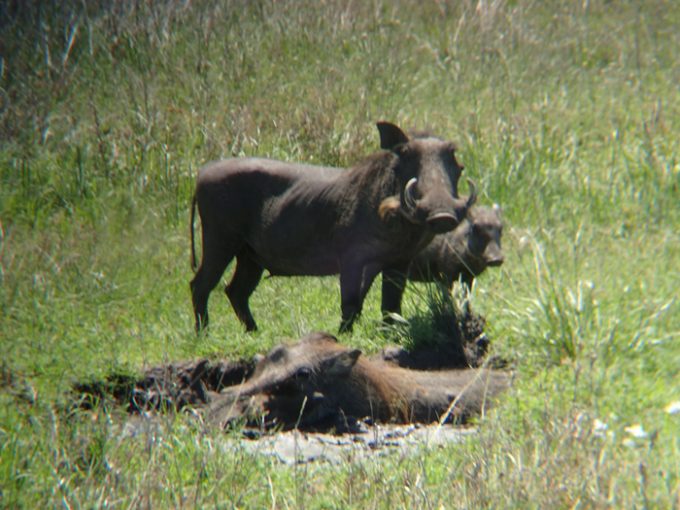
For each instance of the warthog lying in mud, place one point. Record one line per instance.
(294, 219)
(463, 253)
(317, 383)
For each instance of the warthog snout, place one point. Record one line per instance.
(442, 222)
(445, 217)
(496, 260)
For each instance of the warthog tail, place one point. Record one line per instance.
(194, 266)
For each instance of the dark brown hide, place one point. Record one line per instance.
(318, 381)
(295, 219)
(463, 253)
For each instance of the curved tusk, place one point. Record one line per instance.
(473, 194)
(409, 198)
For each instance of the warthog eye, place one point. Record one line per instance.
(277, 354)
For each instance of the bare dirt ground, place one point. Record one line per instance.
(299, 447)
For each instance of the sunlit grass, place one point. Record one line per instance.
(566, 114)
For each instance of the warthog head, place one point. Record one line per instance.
(291, 385)
(484, 241)
(429, 172)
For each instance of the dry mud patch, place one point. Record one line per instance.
(299, 447)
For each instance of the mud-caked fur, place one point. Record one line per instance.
(319, 381)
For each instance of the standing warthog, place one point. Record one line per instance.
(463, 253)
(318, 383)
(295, 219)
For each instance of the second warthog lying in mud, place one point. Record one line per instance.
(463, 253)
(318, 383)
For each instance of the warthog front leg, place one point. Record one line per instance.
(355, 280)
(393, 283)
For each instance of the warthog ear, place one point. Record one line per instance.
(342, 363)
(390, 135)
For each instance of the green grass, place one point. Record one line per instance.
(566, 113)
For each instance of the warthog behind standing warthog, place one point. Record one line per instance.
(319, 383)
(295, 219)
(463, 253)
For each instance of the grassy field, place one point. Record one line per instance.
(566, 113)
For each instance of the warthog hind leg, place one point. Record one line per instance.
(242, 285)
(216, 258)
